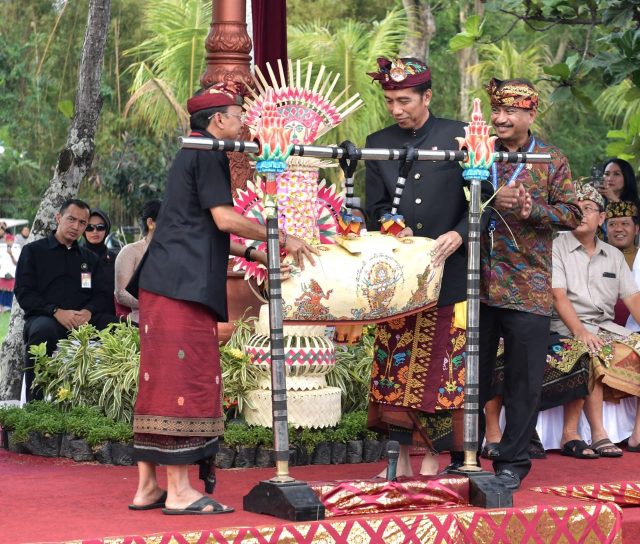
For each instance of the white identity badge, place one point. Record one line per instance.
(85, 277)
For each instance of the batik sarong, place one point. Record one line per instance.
(571, 370)
(417, 378)
(178, 413)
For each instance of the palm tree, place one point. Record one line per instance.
(351, 48)
(620, 105)
(171, 62)
(505, 61)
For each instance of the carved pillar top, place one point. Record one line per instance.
(228, 44)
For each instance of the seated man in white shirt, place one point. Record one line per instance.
(588, 278)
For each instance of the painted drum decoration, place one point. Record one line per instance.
(364, 280)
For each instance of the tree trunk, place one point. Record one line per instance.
(73, 163)
(467, 57)
(422, 29)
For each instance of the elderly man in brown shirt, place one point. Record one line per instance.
(589, 276)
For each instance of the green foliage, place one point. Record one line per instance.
(133, 168)
(602, 43)
(237, 434)
(48, 419)
(9, 416)
(109, 431)
(92, 368)
(472, 31)
(352, 373)
(302, 11)
(170, 62)
(4, 324)
(307, 439)
(40, 48)
(239, 375)
(350, 48)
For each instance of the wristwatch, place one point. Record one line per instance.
(247, 254)
(55, 309)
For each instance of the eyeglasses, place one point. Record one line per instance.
(589, 210)
(100, 227)
(241, 116)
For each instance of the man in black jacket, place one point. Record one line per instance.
(59, 285)
(417, 383)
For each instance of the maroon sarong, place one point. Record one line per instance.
(417, 377)
(178, 413)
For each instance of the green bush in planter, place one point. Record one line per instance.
(38, 417)
(235, 434)
(352, 372)
(9, 416)
(308, 439)
(47, 419)
(262, 436)
(92, 368)
(109, 431)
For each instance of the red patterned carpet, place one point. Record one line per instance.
(56, 500)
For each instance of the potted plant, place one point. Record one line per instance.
(80, 421)
(265, 455)
(92, 368)
(352, 425)
(10, 418)
(340, 436)
(371, 446)
(41, 428)
(322, 450)
(240, 437)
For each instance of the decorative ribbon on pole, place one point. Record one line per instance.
(392, 222)
(348, 224)
(480, 149)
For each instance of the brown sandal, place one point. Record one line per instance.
(606, 448)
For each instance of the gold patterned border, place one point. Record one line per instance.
(178, 426)
(593, 523)
(623, 493)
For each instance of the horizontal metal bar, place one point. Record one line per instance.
(367, 154)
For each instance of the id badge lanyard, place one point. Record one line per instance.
(512, 179)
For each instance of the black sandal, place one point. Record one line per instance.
(575, 449)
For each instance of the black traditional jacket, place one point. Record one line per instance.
(433, 201)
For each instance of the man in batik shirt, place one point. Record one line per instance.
(532, 202)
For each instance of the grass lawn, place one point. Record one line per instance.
(4, 324)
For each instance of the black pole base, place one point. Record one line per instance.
(294, 501)
(485, 490)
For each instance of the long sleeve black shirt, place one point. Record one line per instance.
(49, 276)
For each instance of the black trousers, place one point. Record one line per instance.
(43, 328)
(526, 338)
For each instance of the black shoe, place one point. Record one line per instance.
(451, 467)
(508, 479)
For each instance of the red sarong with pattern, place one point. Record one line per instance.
(180, 385)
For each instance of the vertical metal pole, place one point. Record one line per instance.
(278, 376)
(471, 386)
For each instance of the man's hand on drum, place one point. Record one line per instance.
(405, 232)
(285, 268)
(299, 250)
(445, 246)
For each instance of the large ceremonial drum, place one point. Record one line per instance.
(367, 279)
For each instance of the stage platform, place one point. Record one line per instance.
(58, 500)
